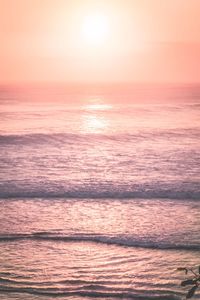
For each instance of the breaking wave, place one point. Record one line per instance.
(126, 241)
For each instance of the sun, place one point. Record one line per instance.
(95, 29)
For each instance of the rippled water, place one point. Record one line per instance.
(99, 192)
(97, 248)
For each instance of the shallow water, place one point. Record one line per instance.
(97, 248)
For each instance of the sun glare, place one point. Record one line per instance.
(95, 29)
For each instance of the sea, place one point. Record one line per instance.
(99, 190)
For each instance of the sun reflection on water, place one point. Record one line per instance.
(95, 118)
(98, 107)
(95, 124)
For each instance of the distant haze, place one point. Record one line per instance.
(146, 41)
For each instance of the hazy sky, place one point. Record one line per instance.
(89, 40)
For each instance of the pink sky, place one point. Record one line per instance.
(150, 40)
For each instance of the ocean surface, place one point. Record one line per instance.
(99, 191)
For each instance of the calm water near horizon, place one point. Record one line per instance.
(99, 191)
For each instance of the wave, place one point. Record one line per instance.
(41, 138)
(176, 191)
(109, 240)
(61, 171)
(90, 294)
